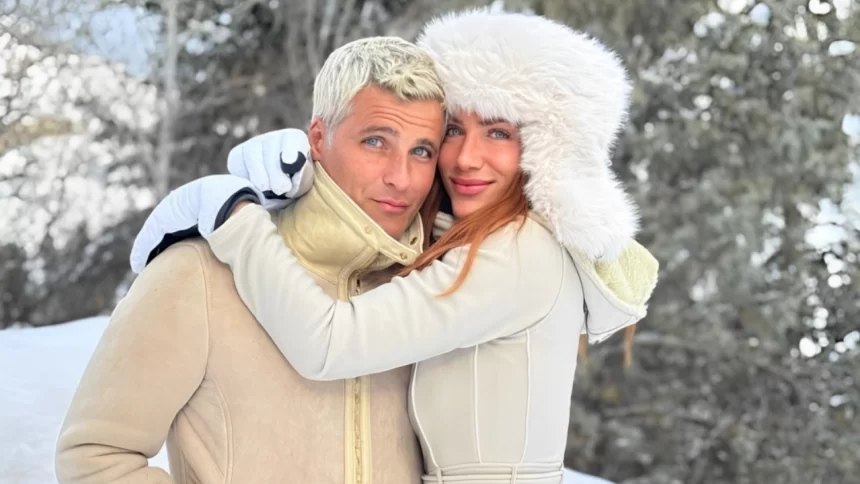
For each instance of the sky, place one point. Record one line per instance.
(120, 33)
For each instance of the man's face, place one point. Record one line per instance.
(383, 154)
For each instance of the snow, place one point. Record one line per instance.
(760, 14)
(843, 8)
(733, 6)
(841, 48)
(818, 7)
(39, 371)
(710, 21)
(78, 96)
(851, 127)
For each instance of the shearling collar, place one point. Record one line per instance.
(332, 236)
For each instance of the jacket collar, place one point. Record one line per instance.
(333, 237)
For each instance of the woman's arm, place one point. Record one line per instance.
(513, 284)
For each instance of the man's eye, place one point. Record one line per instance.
(422, 152)
(375, 142)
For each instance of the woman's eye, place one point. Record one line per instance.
(453, 131)
(375, 142)
(499, 134)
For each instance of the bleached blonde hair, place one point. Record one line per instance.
(398, 66)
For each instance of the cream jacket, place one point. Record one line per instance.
(490, 393)
(183, 360)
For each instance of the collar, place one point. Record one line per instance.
(333, 237)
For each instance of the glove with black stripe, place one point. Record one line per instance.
(271, 169)
(194, 209)
(277, 164)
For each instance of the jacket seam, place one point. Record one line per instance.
(541, 319)
(632, 317)
(183, 469)
(353, 267)
(528, 394)
(420, 432)
(560, 284)
(207, 297)
(475, 404)
(611, 299)
(228, 431)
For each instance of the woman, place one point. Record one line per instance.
(539, 251)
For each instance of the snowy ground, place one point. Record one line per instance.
(39, 370)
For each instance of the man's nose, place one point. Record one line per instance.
(397, 175)
(471, 155)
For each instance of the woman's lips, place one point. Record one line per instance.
(469, 186)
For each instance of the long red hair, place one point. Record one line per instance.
(470, 230)
(473, 229)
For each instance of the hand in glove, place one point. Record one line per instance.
(273, 169)
(196, 208)
(277, 163)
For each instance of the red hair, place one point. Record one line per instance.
(470, 230)
(473, 229)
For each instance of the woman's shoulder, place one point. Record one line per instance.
(528, 243)
(531, 234)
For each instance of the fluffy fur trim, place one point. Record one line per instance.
(568, 93)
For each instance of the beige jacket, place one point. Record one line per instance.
(183, 360)
(491, 390)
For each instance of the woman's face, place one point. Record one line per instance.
(478, 160)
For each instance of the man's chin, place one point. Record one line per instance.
(393, 226)
(395, 230)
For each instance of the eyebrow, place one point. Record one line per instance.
(380, 129)
(484, 122)
(428, 142)
(393, 132)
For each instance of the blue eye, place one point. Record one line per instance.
(422, 152)
(452, 130)
(499, 134)
(374, 142)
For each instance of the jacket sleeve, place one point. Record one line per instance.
(512, 285)
(149, 362)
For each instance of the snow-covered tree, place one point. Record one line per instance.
(73, 132)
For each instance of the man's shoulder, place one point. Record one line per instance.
(190, 258)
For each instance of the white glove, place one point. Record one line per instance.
(277, 163)
(196, 208)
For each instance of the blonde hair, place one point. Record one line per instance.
(391, 63)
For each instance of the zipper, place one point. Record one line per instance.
(356, 407)
(357, 440)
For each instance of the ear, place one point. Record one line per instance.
(317, 138)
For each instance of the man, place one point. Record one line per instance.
(184, 361)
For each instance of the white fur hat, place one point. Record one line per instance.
(568, 93)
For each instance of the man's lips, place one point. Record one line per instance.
(469, 186)
(392, 206)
